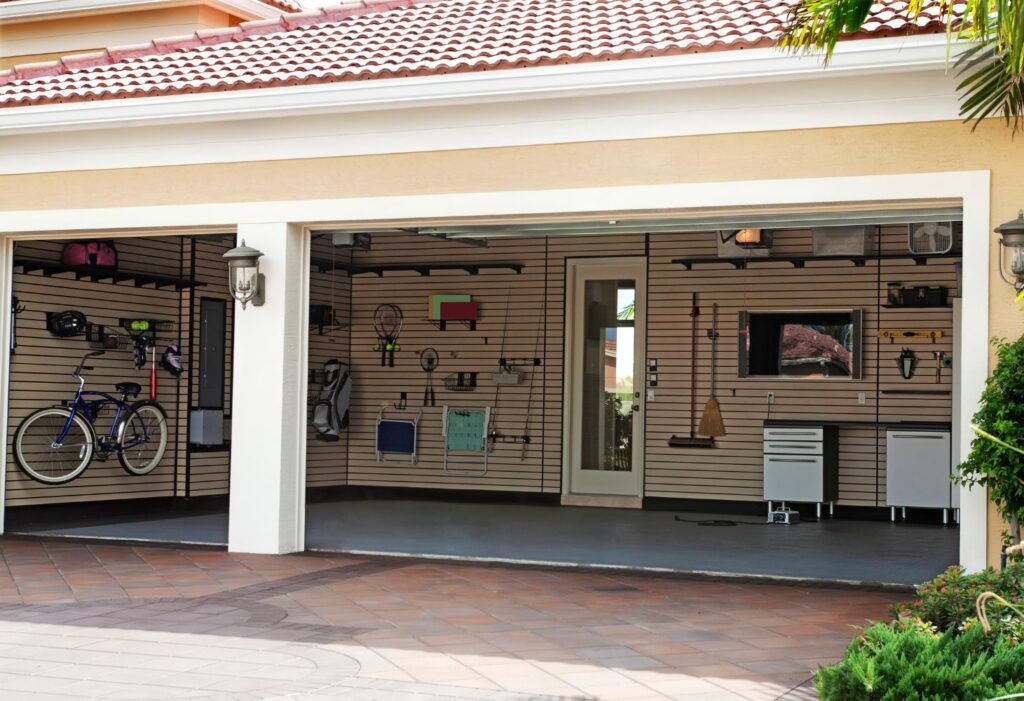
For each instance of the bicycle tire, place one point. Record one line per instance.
(26, 445)
(138, 463)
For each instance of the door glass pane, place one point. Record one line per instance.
(607, 383)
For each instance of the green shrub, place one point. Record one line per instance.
(908, 660)
(948, 600)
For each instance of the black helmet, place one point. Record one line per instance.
(65, 324)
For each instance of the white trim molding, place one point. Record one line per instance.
(971, 188)
(719, 68)
(35, 10)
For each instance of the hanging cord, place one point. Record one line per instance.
(529, 397)
(491, 431)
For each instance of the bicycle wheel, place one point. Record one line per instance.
(142, 438)
(40, 456)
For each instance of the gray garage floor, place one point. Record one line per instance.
(836, 549)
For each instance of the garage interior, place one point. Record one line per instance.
(701, 508)
(163, 292)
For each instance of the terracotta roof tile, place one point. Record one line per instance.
(401, 38)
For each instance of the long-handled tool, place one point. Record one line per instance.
(711, 423)
(694, 441)
(152, 377)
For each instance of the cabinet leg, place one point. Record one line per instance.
(892, 513)
(819, 510)
(956, 516)
(945, 517)
(831, 509)
(903, 513)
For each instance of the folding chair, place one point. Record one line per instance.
(465, 431)
(396, 437)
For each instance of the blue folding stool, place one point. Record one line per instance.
(397, 437)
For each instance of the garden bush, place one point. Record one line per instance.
(948, 600)
(909, 660)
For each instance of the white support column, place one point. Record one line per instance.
(6, 282)
(268, 400)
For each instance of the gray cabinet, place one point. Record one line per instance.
(801, 463)
(918, 464)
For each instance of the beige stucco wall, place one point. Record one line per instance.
(45, 39)
(944, 146)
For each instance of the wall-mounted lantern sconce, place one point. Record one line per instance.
(244, 276)
(1011, 239)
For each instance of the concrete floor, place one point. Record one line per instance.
(850, 550)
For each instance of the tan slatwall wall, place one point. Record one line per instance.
(535, 300)
(207, 472)
(326, 462)
(42, 363)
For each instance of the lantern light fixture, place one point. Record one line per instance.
(244, 277)
(1011, 251)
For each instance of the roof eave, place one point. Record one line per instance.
(863, 57)
(36, 10)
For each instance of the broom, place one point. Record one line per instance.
(711, 420)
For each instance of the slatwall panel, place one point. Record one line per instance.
(512, 308)
(207, 471)
(41, 365)
(536, 301)
(734, 469)
(326, 461)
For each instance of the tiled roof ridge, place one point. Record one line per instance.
(204, 37)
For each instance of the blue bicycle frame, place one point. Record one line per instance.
(89, 409)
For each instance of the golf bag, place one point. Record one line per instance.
(330, 413)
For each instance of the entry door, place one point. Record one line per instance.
(605, 375)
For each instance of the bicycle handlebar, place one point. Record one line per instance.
(82, 366)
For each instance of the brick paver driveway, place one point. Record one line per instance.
(121, 622)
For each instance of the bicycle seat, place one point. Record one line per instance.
(131, 389)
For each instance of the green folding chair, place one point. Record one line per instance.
(465, 432)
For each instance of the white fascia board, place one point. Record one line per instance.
(863, 57)
(28, 10)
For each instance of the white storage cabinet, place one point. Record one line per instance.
(801, 464)
(918, 465)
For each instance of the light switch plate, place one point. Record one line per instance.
(650, 394)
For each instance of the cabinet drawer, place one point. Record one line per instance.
(793, 478)
(799, 433)
(793, 447)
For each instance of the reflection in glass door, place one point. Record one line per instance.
(606, 376)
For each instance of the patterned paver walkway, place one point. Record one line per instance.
(121, 622)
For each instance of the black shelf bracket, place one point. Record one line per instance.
(424, 269)
(742, 263)
(442, 324)
(51, 268)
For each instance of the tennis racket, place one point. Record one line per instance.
(387, 321)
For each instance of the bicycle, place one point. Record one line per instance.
(56, 445)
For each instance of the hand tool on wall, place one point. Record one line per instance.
(907, 362)
(152, 376)
(939, 356)
(693, 441)
(429, 361)
(711, 423)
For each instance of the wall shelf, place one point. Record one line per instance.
(918, 392)
(799, 261)
(51, 268)
(424, 269)
(909, 306)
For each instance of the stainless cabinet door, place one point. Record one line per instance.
(917, 468)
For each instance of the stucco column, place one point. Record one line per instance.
(268, 400)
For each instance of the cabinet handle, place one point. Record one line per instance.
(792, 460)
(794, 433)
(927, 436)
(801, 446)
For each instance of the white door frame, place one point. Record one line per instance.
(972, 188)
(577, 271)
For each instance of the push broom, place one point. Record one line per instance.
(711, 423)
(693, 441)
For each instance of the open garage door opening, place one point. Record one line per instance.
(120, 389)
